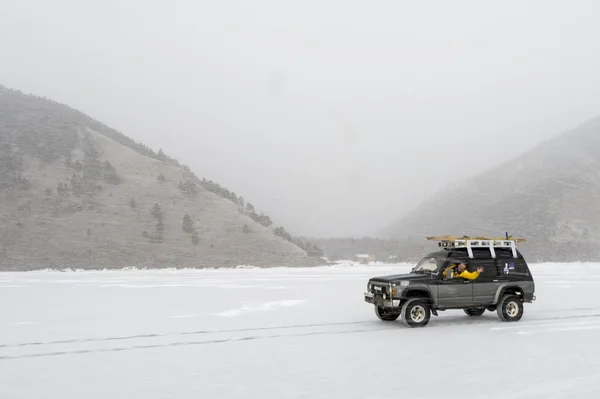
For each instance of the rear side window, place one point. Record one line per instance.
(482, 253)
(489, 267)
(512, 266)
(504, 253)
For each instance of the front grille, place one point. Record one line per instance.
(378, 289)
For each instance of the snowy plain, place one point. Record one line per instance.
(285, 333)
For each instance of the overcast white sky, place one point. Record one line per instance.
(334, 117)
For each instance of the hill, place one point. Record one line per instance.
(75, 193)
(550, 195)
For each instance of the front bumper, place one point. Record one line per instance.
(379, 301)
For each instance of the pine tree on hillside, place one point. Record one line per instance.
(265, 220)
(188, 224)
(157, 212)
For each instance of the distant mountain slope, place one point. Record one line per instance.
(550, 195)
(75, 193)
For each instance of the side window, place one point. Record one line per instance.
(489, 267)
(446, 264)
(482, 253)
(512, 266)
(503, 253)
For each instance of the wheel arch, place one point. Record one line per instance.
(509, 289)
(423, 293)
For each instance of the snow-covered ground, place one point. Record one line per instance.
(285, 333)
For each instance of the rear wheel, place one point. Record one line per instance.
(416, 312)
(385, 314)
(510, 308)
(475, 311)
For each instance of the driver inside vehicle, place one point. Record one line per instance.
(460, 270)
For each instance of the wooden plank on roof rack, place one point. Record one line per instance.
(455, 238)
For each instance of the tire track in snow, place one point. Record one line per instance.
(198, 332)
(190, 343)
(392, 326)
(442, 323)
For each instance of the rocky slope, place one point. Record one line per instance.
(550, 195)
(77, 194)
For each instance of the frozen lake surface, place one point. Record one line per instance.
(285, 333)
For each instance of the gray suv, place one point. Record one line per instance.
(504, 284)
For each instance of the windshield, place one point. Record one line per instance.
(429, 265)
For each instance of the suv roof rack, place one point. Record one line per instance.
(478, 242)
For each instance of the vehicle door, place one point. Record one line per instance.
(484, 286)
(454, 292)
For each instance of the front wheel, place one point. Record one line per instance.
(385, 316)
(416, 312)
(474, 311)
(510, 308)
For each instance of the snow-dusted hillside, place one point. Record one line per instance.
(548, 195)
(284, 333)
(75, 193)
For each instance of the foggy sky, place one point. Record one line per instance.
(334, 117)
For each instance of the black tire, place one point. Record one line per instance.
(474, 311)
(416, 312)
(384, 315)
(510, 308)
